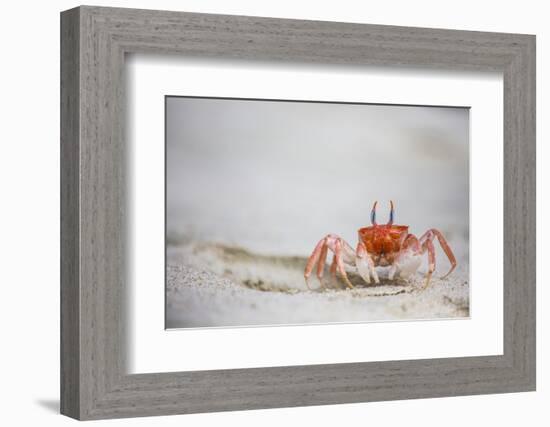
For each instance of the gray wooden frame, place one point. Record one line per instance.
(94, 383)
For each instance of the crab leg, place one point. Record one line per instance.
(340, 262)
(321, 263)
(313, 258)
(411, 242)
(429, 235)
(333, 266)
(429, 246)
(343, 253)
(408, 259)
(365, 264)
(393, 270)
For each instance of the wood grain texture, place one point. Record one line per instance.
(94, 238)
(70, 292)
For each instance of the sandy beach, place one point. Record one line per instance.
(211, 285)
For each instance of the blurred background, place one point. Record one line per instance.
(274, 177)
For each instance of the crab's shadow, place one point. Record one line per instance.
(384, 285)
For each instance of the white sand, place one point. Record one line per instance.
(212, 285)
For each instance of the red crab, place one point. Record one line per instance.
(379, 245)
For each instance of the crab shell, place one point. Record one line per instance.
(383, 242)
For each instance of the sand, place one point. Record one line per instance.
(215, 285)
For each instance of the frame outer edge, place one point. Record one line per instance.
(70, 396)
(532, 138)
(520, 215)
(89, 351)
(528, 171)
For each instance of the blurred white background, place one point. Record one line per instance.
(275, 177)
(29, 176)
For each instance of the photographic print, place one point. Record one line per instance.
(286, 212)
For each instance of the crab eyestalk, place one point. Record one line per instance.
(390, 222)
(373, 214)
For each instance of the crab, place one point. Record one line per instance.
(385, 245)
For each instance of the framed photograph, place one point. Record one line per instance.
(337, 212)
